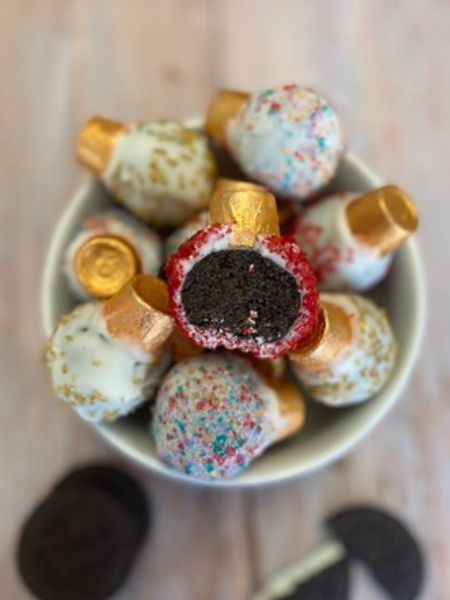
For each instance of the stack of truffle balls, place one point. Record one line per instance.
(217, 301)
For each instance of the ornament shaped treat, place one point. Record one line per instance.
(350, 239)
(289, 138)
(352, 354)
(162, 172)
(111, 248)
(106, 358)
(238, 284)
(214, 414)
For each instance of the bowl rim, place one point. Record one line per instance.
(323, 457)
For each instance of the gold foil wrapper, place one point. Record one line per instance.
(272, 369)
(182, 347)
(224, 106)
(96, 143)
(383, 219)
(104, 264)
(139, 314)
(231, 185)
(292, 408)
(250, 213)
(330, 340)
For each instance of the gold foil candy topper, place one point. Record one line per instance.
(96, 143)
(330, 340)
(251, 211)
(272, 369)
(383, 219)
(139, 314)
(292, 408)
(224, 106)
(223, 184)
(104, 264)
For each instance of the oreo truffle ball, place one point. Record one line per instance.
(260, 300)
(288, 138)
(144, 242)
(102, 378)
(365, 366)
(214, 414)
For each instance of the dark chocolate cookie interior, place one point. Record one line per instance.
(242, 292)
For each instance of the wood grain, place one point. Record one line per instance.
(386, 67)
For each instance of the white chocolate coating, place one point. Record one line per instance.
(143, 240)
(162, 172)
(289, 138)
(364, 368)
(100, 377)
(179, 236)
(339, 260)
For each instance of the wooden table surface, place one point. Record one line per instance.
(386, 66)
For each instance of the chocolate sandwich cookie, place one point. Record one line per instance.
(82, 540)
(78, 544)
(385, 546)
(119, 486)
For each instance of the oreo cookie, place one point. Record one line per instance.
(80, 543)
(114, 482)
(332, 583)
(385, 546)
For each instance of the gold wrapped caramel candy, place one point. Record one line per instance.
(223, 184)
(272, 369)
(138, 314)
(383, 218)
(96, 143)
(104, 264)
(223, 107)
(292, 408)
(251, 212)
(332, 336)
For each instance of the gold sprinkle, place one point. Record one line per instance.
(96, 362)
(96, 395)
(68, 390)
(138, 380)
(110, 415)
(50, 354)
(172, 162)
(69, 338)
(64, 368)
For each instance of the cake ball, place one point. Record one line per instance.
(215, 414)
(193, 225)
(352, 355)
(289, 138)
(106, 358)
(350, 238)
(239, 285)
(162, 172)
(109, 250)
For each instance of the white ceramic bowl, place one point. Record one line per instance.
(329, 433)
